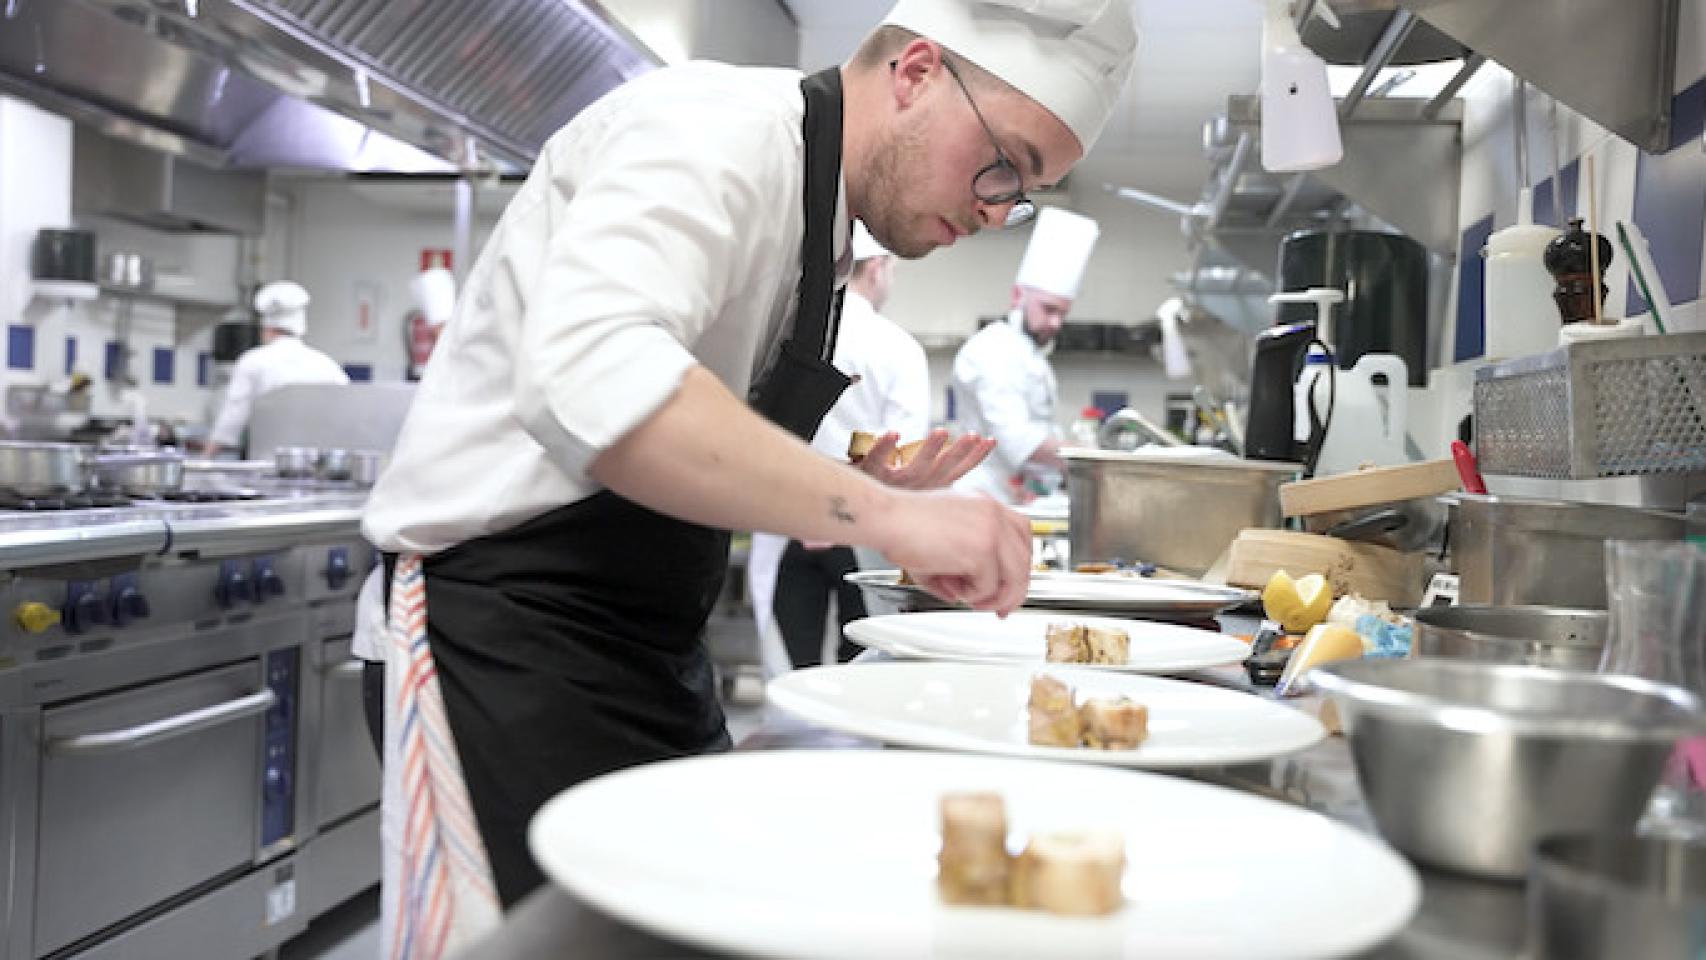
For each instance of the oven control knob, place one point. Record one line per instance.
(233, 585)
(129, 604)
(35, 617)
(278, 783)
(337, 568)
(83, 612)
(268, 584)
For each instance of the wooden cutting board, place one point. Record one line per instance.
(1374, 572)
(1365, 488)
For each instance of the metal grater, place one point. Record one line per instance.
(1609, 408)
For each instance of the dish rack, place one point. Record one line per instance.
(1606, 408)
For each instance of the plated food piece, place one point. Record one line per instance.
(973, 866)
(1077, 643)
(1054, 718)
(1073, 873)
(1113, 723)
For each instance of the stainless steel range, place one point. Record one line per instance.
(183, 769)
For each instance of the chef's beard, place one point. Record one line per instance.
(888, 181)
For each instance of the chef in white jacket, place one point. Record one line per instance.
(1003, 383)
(634, 360)
(791, 582)
(281, 360)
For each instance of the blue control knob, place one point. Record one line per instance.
(277, 783)
(83, 610)
(267, 583)
(128, 604)
(234, 585)
(337, 568)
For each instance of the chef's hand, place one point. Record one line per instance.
(937, 463)
(964, 548)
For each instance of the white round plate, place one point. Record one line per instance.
(823, 855)
(1095, 593)
(980, 707)
(1021, 638)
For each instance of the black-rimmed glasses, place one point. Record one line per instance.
(1000, 182)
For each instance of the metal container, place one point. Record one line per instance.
(42, 469)
(296, 461)
(1634, 898)
(1175, 511)
(1515, 551)
(1537, 636)
(137, 471)
(1465, 764)
(334, 465)
(364, 467)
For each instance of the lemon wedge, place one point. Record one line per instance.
(1297, 604)
(1326, 643)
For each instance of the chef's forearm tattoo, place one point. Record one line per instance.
(838, 510)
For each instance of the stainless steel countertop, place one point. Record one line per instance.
(1461, 918)
(56, 537)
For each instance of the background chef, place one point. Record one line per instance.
(1002, 380)
(281, 360)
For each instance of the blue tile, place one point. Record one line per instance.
(70, 355)
(20, 347)
(1472, 291)
(1670, 208)
(109, 362)
(1688, 114)
(165, 358)
(203, 368)
(359, 372)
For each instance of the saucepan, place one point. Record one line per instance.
(137, 471)
(296, 461)
(42, 469)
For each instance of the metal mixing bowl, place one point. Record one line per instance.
(1464, 764)
(1537, 636)
(1634, 898)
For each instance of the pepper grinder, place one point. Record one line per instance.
(1569, 259)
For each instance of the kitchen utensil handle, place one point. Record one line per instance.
(1466, 468)
(352, 667)
(154, 731)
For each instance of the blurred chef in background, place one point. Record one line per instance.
(434, 293)
(281, 360)
(890, 394)
(1002, 379)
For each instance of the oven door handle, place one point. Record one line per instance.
(351, 668)
(154, 731)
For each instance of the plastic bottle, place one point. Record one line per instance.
(1083, 430)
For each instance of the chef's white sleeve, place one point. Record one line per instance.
(908, 410)
(649, 246)
(999, 385)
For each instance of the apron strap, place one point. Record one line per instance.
(797, 391)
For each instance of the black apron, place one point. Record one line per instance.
(569, 646)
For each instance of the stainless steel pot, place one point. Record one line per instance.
(1176, 511)
(1465, 764)
(42, 469)
(1516, 550)
(1634, 898)
(364, 467)
(296, 461)
(334, 465)
(137, 471)
(1537, 636)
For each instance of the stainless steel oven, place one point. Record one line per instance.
(150, 757)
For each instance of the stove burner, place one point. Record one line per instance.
(75, 501)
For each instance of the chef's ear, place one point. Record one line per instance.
(912, 70)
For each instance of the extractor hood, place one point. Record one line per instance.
(371, 85)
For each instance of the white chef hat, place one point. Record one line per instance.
(1060, 247)
(283, 306)
(434, 293)
(1071, 56)
(866, 246)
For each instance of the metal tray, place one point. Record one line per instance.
(1111, 593)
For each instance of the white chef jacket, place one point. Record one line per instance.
(285, 362)
(893, 389)
(661, 228)
(1004, 388)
